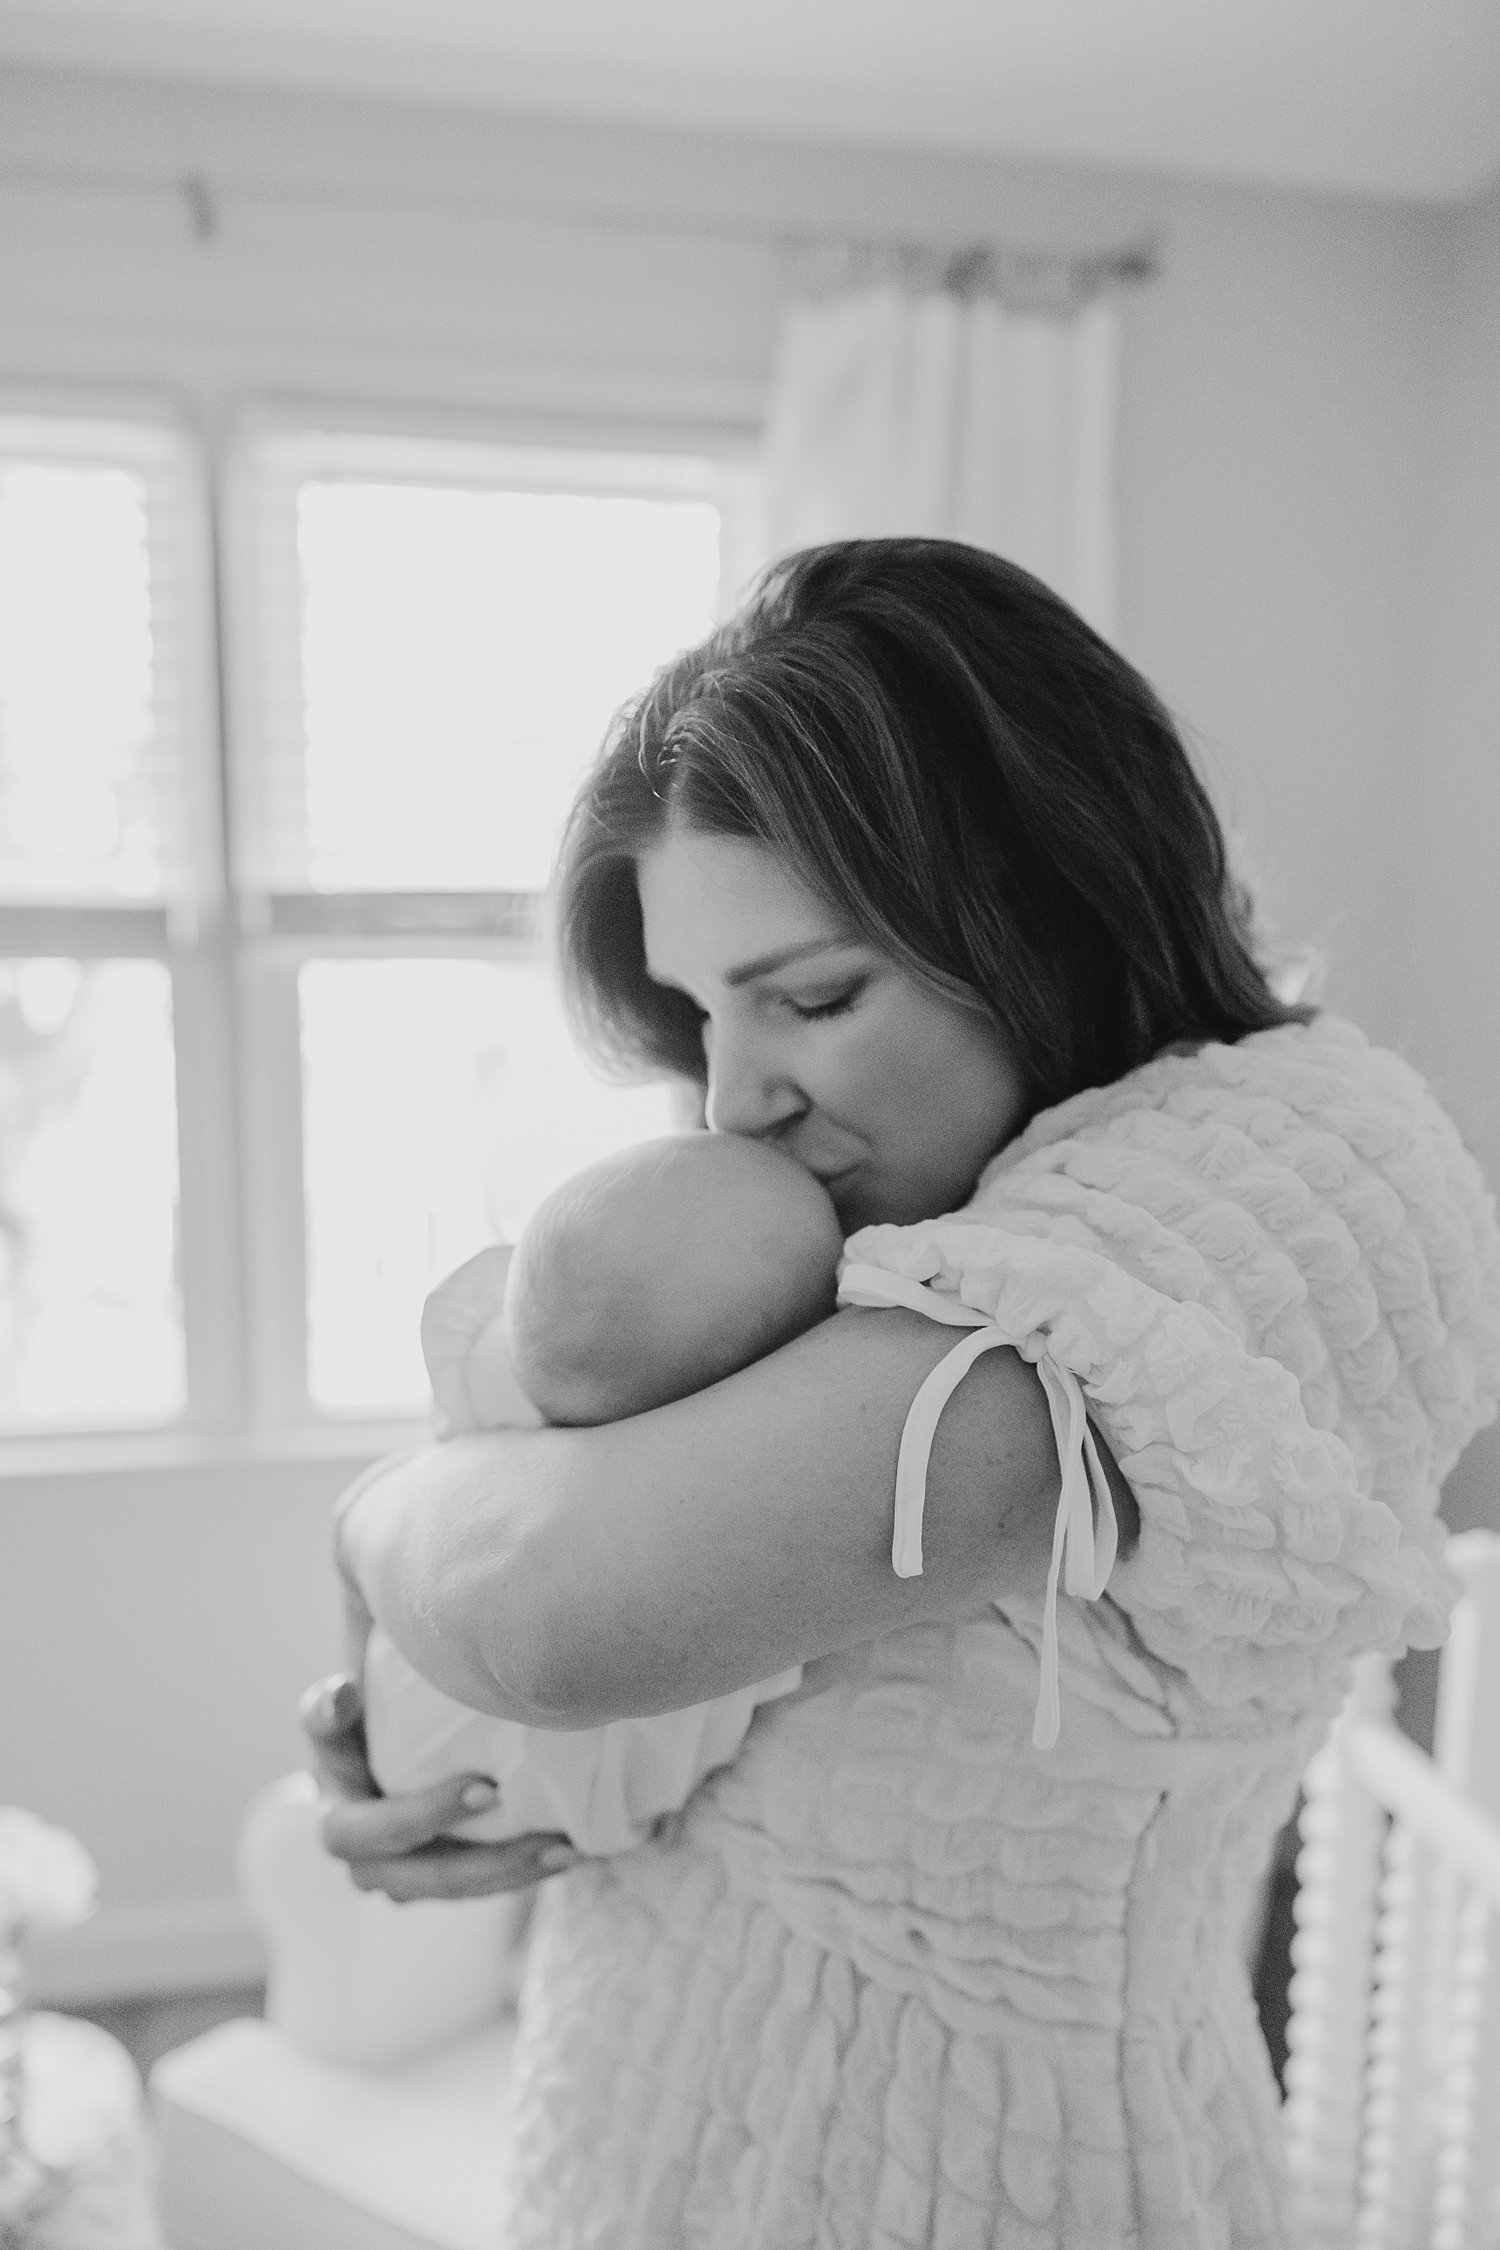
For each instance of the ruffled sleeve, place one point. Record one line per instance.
(1264, 1559)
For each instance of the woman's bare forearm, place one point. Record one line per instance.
(569, 1577)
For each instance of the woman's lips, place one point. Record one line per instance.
(829, 1176)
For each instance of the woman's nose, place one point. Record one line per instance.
(747, 1092)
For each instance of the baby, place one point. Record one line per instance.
(650, 1275)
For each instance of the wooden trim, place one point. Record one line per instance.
(126, 1952)
(86, 932)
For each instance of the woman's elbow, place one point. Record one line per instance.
(554, 1634)
(506, 1641)
(577, 1661)
(560, 1669)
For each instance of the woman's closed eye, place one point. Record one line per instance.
(817, 1011)
(806, 1010)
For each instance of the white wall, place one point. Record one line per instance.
(1292, 383)
(1277, 423)
(1448, 787)
(154, 1637)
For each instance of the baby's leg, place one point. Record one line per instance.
(416, 1735)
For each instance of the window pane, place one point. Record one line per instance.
(461, 654)
(442, 1100)
(92, 789)
(90, 1316)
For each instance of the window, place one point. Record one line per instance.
(104, 764)
(275, 1056)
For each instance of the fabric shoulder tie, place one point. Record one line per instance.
(1083, 1545)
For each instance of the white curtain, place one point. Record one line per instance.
(936, 410)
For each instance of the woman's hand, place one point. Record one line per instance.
(397, 1844)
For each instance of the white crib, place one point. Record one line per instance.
(1393, 2071)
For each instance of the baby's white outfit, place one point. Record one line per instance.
(603, 1787)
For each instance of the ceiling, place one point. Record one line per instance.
(1383, 97)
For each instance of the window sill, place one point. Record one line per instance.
(110, 1455)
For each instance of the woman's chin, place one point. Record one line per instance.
(849, 1202)
(861, 1202)
(865, 1201)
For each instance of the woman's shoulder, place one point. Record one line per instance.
(1307, 1139)
(1275, 1270)
(1303, 1186)
(1274, 1087)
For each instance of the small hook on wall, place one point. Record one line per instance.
(201, 205)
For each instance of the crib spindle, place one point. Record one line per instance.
(1393, 2189)
(1338, 1877)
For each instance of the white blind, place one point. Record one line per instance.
(103, 771)
(431, 637)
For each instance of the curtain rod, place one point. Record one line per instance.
(1024, 280)
(967, 267)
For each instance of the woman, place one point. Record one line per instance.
(911, 872)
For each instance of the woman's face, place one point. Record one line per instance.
(892, 1094)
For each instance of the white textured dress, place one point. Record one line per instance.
(899, 1977)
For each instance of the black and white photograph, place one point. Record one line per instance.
(749, 1125)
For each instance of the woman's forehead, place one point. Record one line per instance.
(721, 906)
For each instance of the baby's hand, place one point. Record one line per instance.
(473, 1384)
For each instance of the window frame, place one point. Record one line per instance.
(233, 955)
(186, 932)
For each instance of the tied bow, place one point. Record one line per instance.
(1084, 1543)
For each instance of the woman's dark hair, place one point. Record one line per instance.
(943, 751)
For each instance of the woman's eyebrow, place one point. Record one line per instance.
(765, 963)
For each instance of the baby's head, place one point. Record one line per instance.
(664, 1268)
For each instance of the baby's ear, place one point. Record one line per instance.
(495, 1396)
(461, 1332)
